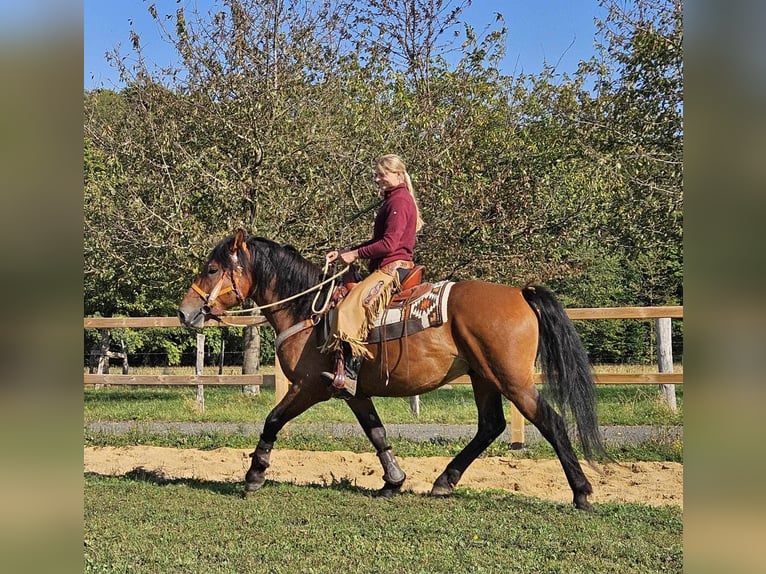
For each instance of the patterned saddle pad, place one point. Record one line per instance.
(412, 312)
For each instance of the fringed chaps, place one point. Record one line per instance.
(355, 315)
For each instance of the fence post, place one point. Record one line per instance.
(199, 370)
(251, 356)
(281, 384)
(415, 405)
(665, 359)
(517, 428)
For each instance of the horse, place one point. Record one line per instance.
(492, 332)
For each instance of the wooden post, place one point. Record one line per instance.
(103, 359)
(415, 405)
(220, 356)
(199, 368)
(517, 428)
(281, 384)
(251, 356)
(665, 359)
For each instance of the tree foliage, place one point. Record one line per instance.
(275, 111)
(642, 110)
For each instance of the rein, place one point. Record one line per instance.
(301, 294)
(313, 321)
(290, 331)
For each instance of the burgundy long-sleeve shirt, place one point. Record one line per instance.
(393, 236)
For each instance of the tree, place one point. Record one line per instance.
(275, 112)
(642, 104)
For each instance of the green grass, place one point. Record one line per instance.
(617, 405)
(144, 523)
(141, 523)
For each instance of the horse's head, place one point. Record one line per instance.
(222, 283)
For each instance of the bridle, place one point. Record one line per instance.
(219, 289)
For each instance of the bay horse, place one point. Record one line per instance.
(493, 333)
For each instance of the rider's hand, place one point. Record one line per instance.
(348, 257)
(331, 256)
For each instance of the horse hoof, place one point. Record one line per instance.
(581, 503)
(389, 490)
(442, 486)
(251, 487)
(438, 490)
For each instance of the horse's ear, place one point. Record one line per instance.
(240, 238)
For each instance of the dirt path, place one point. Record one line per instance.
(653, 483)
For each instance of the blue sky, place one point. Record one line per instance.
(560, 32)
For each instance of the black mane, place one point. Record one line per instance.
(268, 260)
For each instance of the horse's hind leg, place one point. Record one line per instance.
(368, 418)
(552, 427)
(491, 425)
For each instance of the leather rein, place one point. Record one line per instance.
(219, 289)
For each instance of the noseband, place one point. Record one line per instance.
(217, 291)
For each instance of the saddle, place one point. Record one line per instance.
(415, 306)
(411, 286)
(343, 378)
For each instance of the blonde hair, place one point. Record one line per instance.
(392, 163)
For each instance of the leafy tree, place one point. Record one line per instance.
(275, 111)
(642, 103)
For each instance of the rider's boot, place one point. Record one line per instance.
(343, 380)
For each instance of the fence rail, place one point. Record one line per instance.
(142, 322)
(610, 379)
(179, 380)
(670, 312)
(666, 379)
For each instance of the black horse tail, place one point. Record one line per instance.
(566, 370)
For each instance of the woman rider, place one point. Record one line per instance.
(390, 249)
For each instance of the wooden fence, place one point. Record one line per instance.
(662, 316)
(195, 379)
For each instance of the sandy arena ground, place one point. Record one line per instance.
(652, 483)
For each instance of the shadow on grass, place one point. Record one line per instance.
(141, 474)
(159, 478)
(518, 501)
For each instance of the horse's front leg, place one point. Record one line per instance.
(368, 418)
(297, 400)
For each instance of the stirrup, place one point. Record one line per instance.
(346, 369)
(340, 384)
